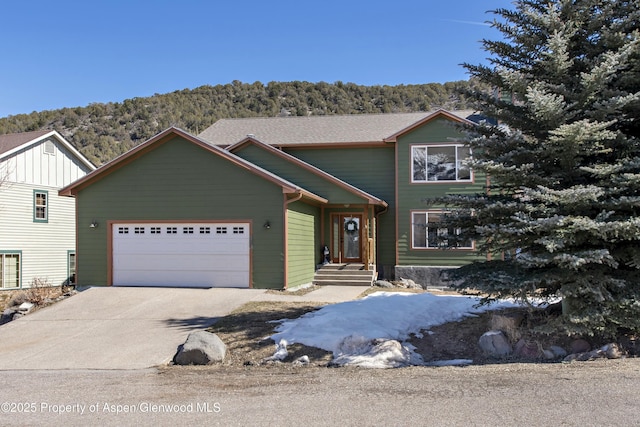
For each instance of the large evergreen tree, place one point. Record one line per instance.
(561, 213)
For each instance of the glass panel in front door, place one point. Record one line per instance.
(351, 238)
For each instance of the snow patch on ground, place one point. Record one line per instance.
(370, 332)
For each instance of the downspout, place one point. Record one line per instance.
(285, 205)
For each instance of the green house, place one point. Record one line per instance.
(276, 203)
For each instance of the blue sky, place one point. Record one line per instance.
(68, 53)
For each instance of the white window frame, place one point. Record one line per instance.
(431, 178)
(3, 269)
(416, 226)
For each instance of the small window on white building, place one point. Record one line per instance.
(71, 267)
(10, 270)
(40, 206)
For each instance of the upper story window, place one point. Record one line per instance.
(40, 206)
(440, 163)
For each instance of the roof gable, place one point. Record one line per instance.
(435, 115)
(308, 168)
(167, 135)
(336, 129)
(12, 143)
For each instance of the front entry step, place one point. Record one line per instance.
(351, 274)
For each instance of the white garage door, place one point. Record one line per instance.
(181, 255)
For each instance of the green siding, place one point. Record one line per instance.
(412, 197)
(180, 181)
(298, 175)
(371, 169)
(303, 243)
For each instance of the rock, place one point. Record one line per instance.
(17, 316)
(7, 316)
(410, 284)
(558, 351)
(201, 348)
(384, 284)
(527, 349)
(612, 351)
(495, 344)
(580, 346)
(548, 354)
(25, 307)
(280, 354)
(583, 357)
(301, 361)
(508, 323)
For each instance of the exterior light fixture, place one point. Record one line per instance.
(94, 224)
(267, 225)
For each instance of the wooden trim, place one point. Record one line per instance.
(435, 115)
(364, 239)
(397, 207)
(328, 145)
(322, 228)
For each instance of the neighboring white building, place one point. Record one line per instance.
(37, 226)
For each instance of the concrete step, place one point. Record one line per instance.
(343, 267)
(341, 282)
(350, 273)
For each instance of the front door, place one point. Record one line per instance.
(347, 238)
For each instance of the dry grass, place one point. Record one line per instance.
(41, 294)
(246, 333)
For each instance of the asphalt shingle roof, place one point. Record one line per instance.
(281, 131)
(13, 140)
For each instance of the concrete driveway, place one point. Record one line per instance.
(114, 328)
(128, 328)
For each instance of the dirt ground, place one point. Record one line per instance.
(246, 333)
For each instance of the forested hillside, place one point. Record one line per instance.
(103, 131)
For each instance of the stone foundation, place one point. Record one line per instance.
(427, 277)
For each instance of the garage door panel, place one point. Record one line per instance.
(181, 255)
(227, 279)
(201, 262)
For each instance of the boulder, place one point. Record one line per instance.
(495, 344)
(527, 349)
(612, 351)
(580, 346)
(301, 361)
(558, 351)
(201, 348)
(384, 284)
(410, 284)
